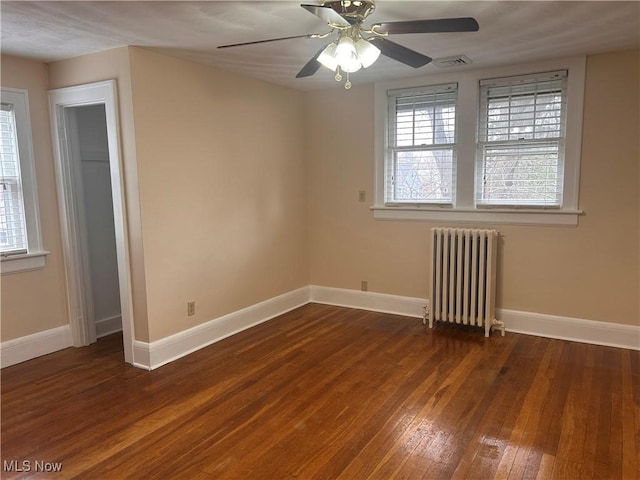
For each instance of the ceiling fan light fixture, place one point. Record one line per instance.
(350, 51)
(328, 57)
(347, 56)
(367, 52)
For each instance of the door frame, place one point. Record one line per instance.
(99, 93)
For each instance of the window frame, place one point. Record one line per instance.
(393, 148)
(34, 258)
(514, 89)
(464, 208)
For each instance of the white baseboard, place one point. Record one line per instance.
(107, 326)
(31, 346)
(539, 324)
(155, 354)
(375, 302)
(573, 329)
(161, 352)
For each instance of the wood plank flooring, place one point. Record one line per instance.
(330, 393)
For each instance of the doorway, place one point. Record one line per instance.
(92, 212)
(89, 157)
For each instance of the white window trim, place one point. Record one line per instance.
(464, 210)
(35, 258)
(451, 90)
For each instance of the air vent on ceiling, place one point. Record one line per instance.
(455, 61)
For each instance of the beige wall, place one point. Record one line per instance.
(246, 190)
(36, 301)
(108, 65)
(590, 272)
(221, 171)
(346, 245)
(214, 172)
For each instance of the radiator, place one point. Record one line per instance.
(463, 277)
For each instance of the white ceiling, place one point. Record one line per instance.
(510, 32)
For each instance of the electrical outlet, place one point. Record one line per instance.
(191, 308)
(362, 196)
(364, 285)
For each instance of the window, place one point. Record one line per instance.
(521, 141)
(496, 145)
(13, 232)
(20, 241)
(421, 146)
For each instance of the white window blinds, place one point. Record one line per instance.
(521, 141)
(421, 145)
(13, 237)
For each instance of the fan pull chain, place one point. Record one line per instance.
(338, 77)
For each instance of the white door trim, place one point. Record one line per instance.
(90, 94)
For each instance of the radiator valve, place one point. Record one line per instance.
(500, 324)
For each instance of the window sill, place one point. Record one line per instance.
(494, 216)
(23, 263)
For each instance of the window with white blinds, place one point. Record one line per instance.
(421, 145)
(13, 232)
(498, 145)
(20, 237)
(521, 135)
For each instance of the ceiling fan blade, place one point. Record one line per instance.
(266, 41)
(398, 52)
(327, 14)
(312, 66)
(443, 25)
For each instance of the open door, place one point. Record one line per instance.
(64, 104)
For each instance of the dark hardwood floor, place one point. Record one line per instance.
(326, 392)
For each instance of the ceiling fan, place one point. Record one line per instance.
(356, 46)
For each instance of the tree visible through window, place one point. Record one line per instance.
(521, 141)
(421, 146)
(489, 145)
